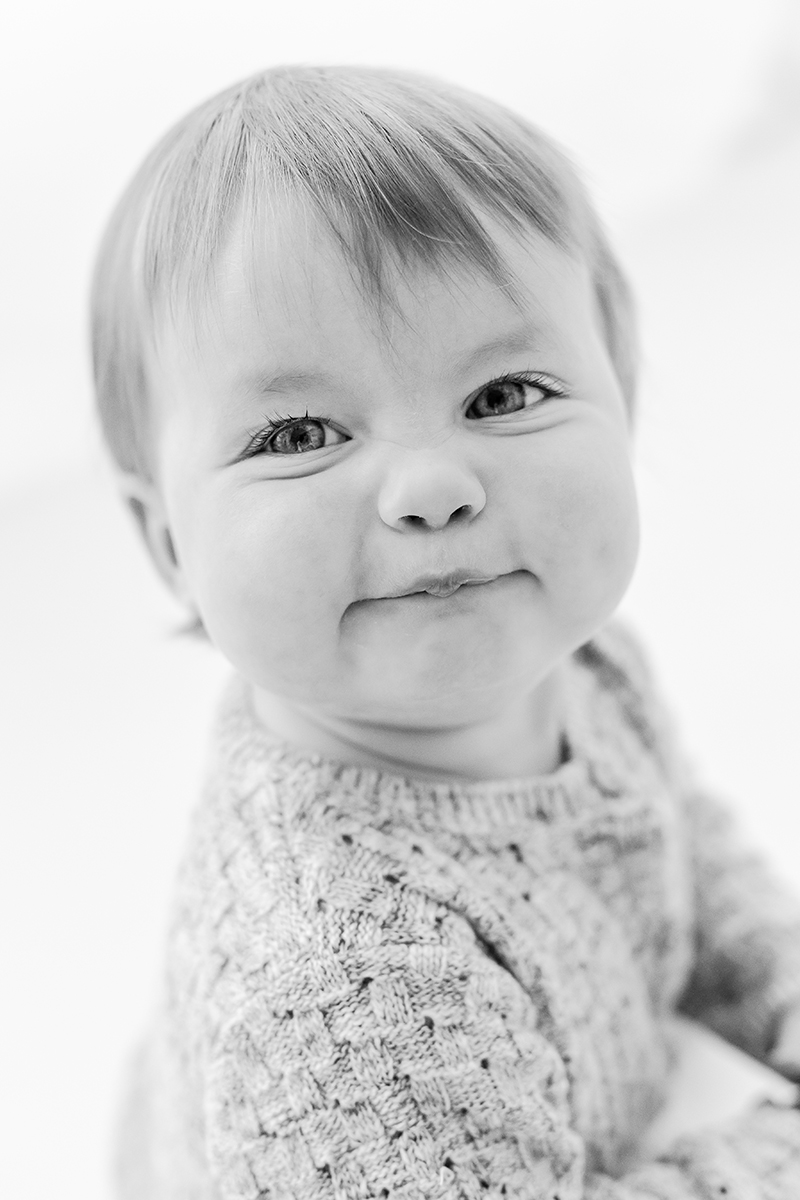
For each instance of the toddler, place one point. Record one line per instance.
(366, 364)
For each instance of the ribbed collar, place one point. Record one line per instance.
(604, 763)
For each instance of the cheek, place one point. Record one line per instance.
(261, 576)
(582, 518)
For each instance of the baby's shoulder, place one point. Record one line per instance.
(623, 670)
(616, 655)
(259, 871)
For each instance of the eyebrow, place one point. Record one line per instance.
(513, 342)
(264, 384)
(296, 380)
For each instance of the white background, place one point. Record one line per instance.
(685, 117)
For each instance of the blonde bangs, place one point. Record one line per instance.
(398, 167)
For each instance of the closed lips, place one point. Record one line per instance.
(445, 585)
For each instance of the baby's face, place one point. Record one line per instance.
(317, 465)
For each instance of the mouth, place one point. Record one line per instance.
(443, 586)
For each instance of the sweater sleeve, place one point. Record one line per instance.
(747, 933)
(746, 920)
(374, 1066)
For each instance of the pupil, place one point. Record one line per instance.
(305, 435)
(502, 395)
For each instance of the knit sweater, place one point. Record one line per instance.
(389, 987)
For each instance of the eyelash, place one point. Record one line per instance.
(550, 386)
(261, 439)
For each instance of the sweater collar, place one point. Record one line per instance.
(602, 760)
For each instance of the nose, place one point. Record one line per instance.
(427, 490)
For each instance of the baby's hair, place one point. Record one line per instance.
(398, 166)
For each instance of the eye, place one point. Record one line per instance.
(293, 435)
(513, 393)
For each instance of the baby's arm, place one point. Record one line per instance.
(417, 1067)
(785, 1053)
(746, 983)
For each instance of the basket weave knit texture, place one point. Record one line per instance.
(389, 988)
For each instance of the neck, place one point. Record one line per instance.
(523, 739)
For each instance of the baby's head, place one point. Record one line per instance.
(359, 339)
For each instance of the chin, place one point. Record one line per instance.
(446, 695)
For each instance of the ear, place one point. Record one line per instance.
(144, 500)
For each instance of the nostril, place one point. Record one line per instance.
(464, 512)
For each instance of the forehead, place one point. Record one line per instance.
(286, 294)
